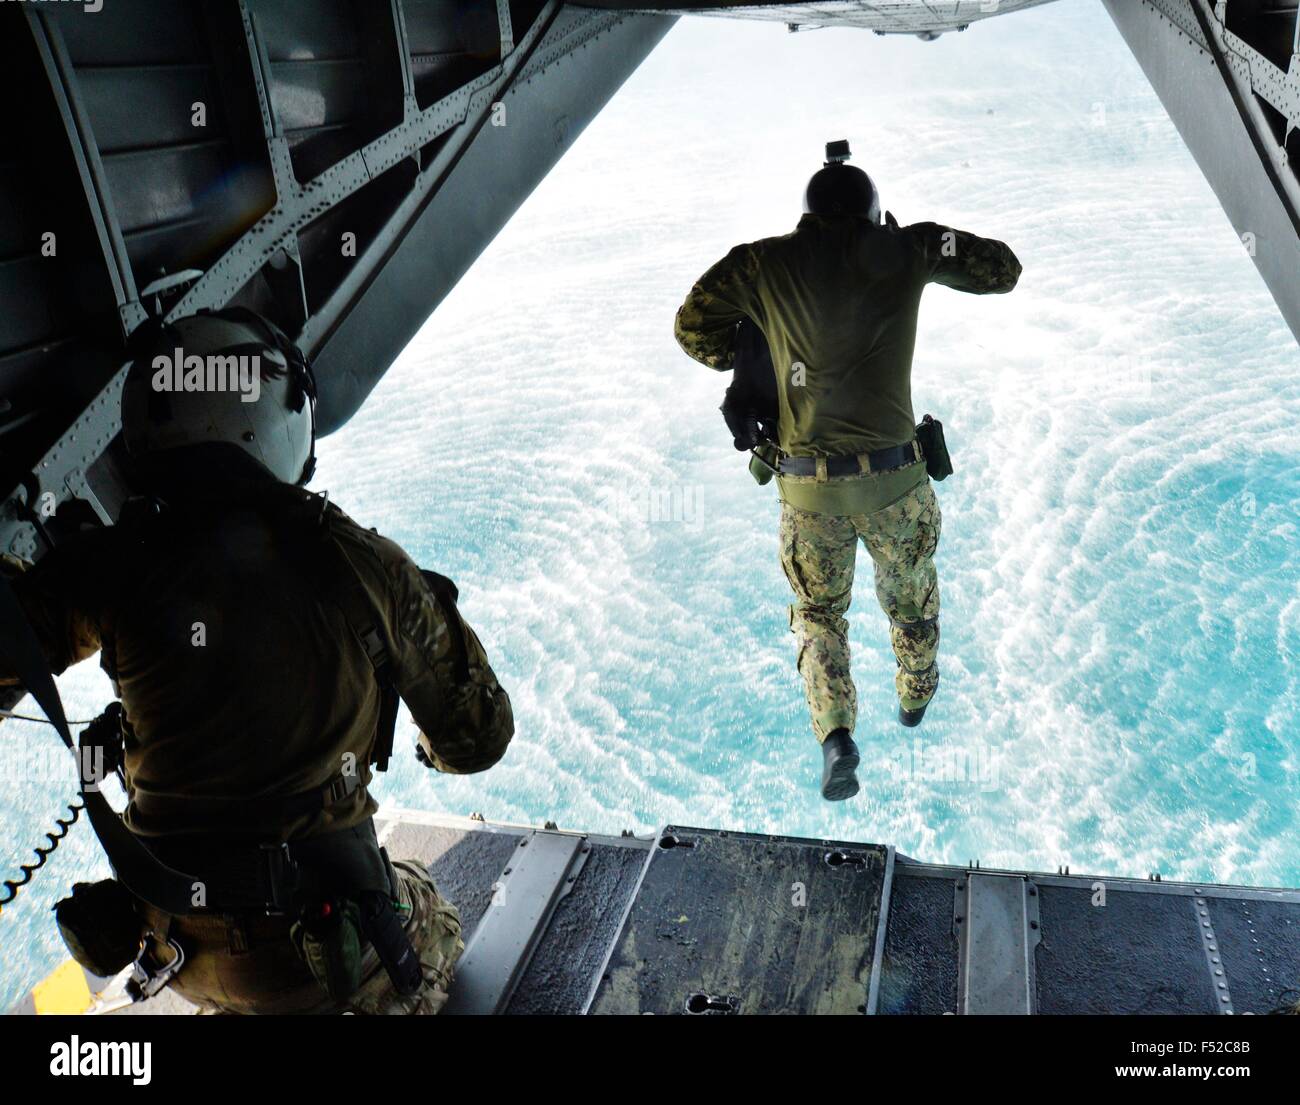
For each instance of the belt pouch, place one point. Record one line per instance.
(930, 435)
(100, 926)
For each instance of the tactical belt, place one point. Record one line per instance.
(895, 456)
(242, 810)
(278, 877)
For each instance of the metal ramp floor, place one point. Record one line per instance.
(704, 921)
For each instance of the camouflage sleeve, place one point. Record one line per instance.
(706, 323)
(443, 675)
(957, 259)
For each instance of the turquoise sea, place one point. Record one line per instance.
(1119, 563)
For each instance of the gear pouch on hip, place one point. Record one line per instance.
(930, 436)
(328, 938)
(100, 926)
(762, 464)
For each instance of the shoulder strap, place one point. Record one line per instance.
(140, 512)
(345, 588)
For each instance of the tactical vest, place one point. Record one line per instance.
(270, 877)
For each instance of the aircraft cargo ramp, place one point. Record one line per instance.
(709, 922)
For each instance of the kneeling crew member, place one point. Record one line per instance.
(259, 640)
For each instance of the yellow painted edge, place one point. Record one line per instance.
(63, 990)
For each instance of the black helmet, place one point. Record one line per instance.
(840, 189)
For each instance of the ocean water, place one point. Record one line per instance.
(1119, 558)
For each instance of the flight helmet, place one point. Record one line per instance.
(228, 376)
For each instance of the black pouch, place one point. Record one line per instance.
(383, 928)
(100, 926)
(935, 450)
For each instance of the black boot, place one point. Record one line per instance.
(840, 760)
(911, 718)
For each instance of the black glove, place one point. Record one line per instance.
(105, 733)
(745, 430)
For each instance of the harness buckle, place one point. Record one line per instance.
(373, 643)
(148, 976)
(281, 877)
(343, 785)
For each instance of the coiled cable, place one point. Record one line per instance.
(61, 827)
(43, 852)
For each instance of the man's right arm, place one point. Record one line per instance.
(966, 262)
(705, 326)
(441, 670)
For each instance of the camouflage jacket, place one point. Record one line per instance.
(837, 300)
(240, 679)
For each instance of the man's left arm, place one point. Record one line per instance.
(706, 323)
(50, 595)
(966, 262)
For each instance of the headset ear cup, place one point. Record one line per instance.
(304, 381)
(304, 393)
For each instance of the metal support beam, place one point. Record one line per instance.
(273, 238)
(299, 205)
(542, 871)
(878, 957)
(1213, 959)
(90, 169)
(1214, 86)
(503, 22)
(465, 110)
(409, 107)
(995, 918)
(1249, 74)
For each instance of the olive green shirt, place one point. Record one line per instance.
(837, 300)
(240, 679)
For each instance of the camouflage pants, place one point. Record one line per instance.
(818, 553)
(267, 975)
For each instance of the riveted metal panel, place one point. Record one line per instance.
(919, 967)
(742, 923)
(572, 951)
(918, 17)
(996, 917)
(1110, 950)
(1258, 950)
